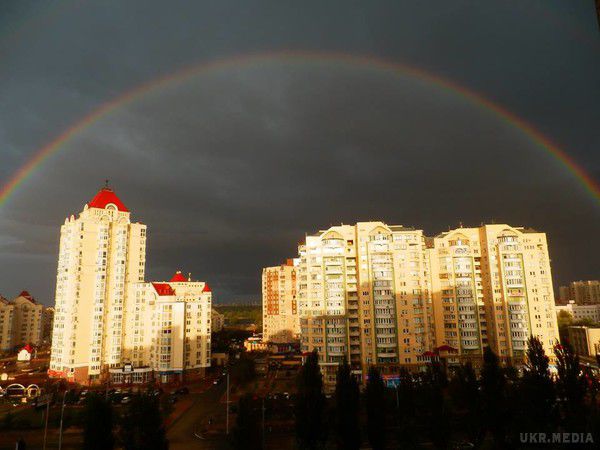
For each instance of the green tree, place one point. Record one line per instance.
(464, 390)
(536, 392)
(247, 430)
(494, 398)
(346, 408)
(375, 400)
(310, 404)
(98, 423)
(571, 386)
(142, 425)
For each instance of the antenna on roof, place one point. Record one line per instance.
(106, 184)
(189, 276)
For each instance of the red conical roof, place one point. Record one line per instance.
(206, 288)
(178, 277)
(104, 197)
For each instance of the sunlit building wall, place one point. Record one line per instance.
(492, 285)
(101, 251)
(281, 322)
(364, 295)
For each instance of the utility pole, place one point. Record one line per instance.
(47, 414)
(227, 406)
(62, 414)
(263, 423)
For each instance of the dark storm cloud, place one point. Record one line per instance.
(231, 168)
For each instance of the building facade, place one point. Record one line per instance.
(364, 295)
(106, 318)
(585, 292)
(492, 286)
(386, 295)
(6, 324)
(579, 312)
(169, 329)
(22, 322)
(217, 321)
(585, 340)
(280, 310)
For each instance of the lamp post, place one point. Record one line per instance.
(62, 413)
(227, 406)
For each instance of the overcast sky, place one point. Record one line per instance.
(230, 168)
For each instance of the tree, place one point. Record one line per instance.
(494, 397)
(97, 423)
(437, 412)
(142, 425)
(571, 386)
(247, 431)
(346, 408)
(375, 399)
(536, 392)
(467, 398)
(406, 392)
(310, 404)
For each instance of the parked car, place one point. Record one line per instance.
(125, 400)
(182, 391)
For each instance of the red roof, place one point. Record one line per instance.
(28, 348)
(206, 288)
(25, 294)
(178, 277)
(163, 289)
(104, 197)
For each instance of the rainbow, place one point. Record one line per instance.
(36, 162)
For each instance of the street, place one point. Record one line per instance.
(181, 434)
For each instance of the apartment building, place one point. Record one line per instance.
(585, 292)
(169, 331)
(108, 322)
(492, 286)
(101, 251)
(22, 321)
(579, 312)
(6, 324)
(217, 321)
(281, 322)
(364, 295)
(386, 295)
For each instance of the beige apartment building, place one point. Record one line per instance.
(389, 296)
(364, 295)
(108, 321)
(492, 286)
(169, 331)
(6, 324)
(217, 321)
(281, 322)
(22, 322)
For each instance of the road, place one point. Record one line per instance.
(181, 434)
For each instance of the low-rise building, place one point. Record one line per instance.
(579, 312)
(585, 340)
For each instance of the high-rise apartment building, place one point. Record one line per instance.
(585, 292)
(492, 286)
(111, 324)
(385, 295)
(101, 251)
(364, 295)
(280, 312)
